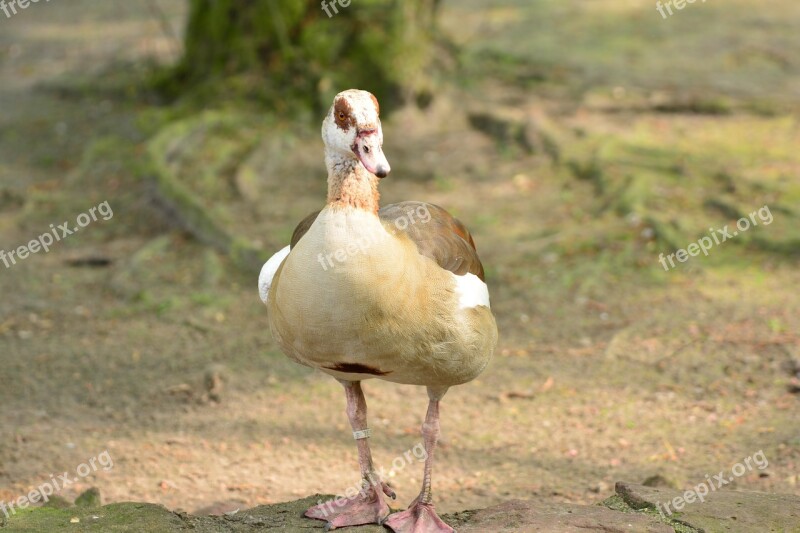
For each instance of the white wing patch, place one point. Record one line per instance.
(268, 272)
(471, 291)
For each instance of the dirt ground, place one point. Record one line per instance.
(608, 368)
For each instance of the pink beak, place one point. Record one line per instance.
(369, 151)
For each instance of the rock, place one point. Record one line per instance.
(522, 516)
(214, 383)
(278, 517)
(133, 517)
(57, 502)
(219, 508)
(631, 510)
(721, 511)
(90, 498)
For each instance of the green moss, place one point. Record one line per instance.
(193, 164)
(90, 498)
(618, 503)
(291, 55)
(686, 59)
(114, 517)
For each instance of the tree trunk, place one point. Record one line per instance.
(299, 49)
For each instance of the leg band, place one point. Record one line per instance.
(362, 434)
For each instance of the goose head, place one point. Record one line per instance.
(352, 132)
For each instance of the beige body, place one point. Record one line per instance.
(384, 306)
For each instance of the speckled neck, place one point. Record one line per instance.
(350, 184)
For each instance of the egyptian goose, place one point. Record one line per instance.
(395, 293)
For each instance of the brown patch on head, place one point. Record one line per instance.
(343, 114)
(377, 105)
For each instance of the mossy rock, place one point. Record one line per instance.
(632, 508)
(113, 517)
(90, 498)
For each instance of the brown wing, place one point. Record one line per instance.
(302, 228)
(441, 237)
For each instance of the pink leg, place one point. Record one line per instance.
(421, 517)
(367, 506)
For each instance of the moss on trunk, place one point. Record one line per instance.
(292, 50)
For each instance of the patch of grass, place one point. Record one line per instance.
(704, 59)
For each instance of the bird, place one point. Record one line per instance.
(396, 293)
